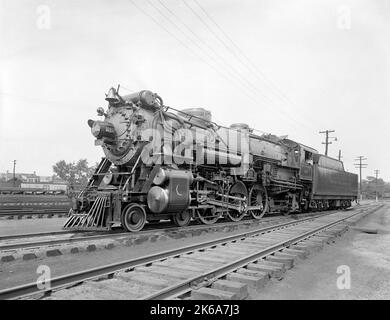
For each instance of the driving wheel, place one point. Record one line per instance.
(258, 197)
(239, 191)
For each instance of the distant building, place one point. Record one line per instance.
(46, 179)
(32, 181)
(24, 177)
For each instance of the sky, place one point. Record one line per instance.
(287, 67)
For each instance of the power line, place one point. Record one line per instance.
(193, 52)
(360, 165)
(177, 39)
(327, 142)
(222, 63)
(251, 66)
(376, 184)
(340, 155)
(185, 45)
(14, 182)
(221, 41)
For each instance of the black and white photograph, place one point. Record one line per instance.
(196, 154)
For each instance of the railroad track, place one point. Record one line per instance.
(19, 213)
(28, 241)
(21, 206)
(221, 267)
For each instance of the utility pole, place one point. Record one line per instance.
(14, 172)
(327, 142)
(340, 155)
(376, 185)
(360, 165)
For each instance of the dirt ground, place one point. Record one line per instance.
(366, 255)
(12, 227)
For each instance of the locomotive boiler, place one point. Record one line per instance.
(162, 163)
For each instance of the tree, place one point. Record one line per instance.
(371, 186)
(73, 172)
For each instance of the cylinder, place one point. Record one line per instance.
(173, 192)
(158, 199)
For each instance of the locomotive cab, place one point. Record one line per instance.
(307, 161)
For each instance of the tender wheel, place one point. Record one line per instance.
(313, 205)
(237, 190)
(306, 207)
(207, 215)
(326, 205)
(258, 197)
(133, 217)
(182, 219)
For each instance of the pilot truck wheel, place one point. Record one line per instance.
(133, 217)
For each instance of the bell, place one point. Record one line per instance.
(100, 111)
(112, 96)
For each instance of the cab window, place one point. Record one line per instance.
(308, 157)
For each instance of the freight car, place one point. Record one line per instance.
(29, 190)
(163, 163)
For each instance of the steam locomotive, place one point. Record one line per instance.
(162, 163)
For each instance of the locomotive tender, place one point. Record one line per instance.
(162, 163)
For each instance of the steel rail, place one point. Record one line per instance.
(34, 206)
(102, 234)
(33, 209)
(68, 280)
(33, 213)
(220, 224)
(186, 285)
(96, 235)
(37, 207)
(37, 234)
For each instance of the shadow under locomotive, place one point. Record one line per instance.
(161, 163)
